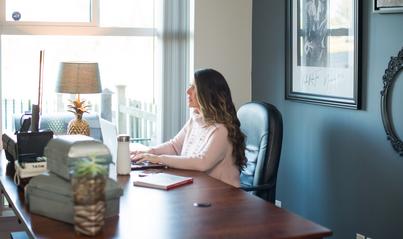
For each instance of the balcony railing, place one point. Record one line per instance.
(133, 117)
(136, 118)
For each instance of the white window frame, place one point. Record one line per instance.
(170, 31)
(69, 28)
(94, 16)
(66, 29)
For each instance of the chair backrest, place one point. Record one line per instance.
(262, 124)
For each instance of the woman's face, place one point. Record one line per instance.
(192, 99)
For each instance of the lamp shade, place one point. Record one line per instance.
(78, 78)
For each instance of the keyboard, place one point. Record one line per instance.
(145, 165)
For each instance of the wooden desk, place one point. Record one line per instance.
(153, 213)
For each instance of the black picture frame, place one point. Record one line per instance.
(382, 6)
(324, 57)
(395, 67)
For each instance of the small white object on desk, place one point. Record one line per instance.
(123, 163)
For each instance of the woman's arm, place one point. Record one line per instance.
(214, 152)
(173, 146)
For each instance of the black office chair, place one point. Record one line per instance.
(262, 124)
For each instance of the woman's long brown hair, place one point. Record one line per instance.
(216, 106)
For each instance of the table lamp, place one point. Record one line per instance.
(78, 78)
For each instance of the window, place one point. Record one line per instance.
(119, 35)
(135, 13)
(48, 10)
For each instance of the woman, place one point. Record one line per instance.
(211, 140)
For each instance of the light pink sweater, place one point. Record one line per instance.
(203, 148)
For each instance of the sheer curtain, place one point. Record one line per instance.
(174, 44)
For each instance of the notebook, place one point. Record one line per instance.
(162, 181)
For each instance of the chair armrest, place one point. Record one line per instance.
(262, 187)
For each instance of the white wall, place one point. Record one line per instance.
(1, 98)
(223, 41)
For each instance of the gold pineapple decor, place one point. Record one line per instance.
(78, 78)
(78, 125)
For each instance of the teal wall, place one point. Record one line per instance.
(336, 168)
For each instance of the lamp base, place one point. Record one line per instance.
(78, 126)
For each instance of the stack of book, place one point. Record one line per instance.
(51, 194)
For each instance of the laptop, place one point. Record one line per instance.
(146, 165)
(109, 135)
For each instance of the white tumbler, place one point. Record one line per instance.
(123, 160)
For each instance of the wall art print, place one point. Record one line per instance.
(323, 54)
(388, 6)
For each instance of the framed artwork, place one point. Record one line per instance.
(388, 6)
(323, 53)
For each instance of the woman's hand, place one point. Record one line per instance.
(136, 152)
(143, 156)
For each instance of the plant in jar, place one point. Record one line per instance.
(89, 181)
